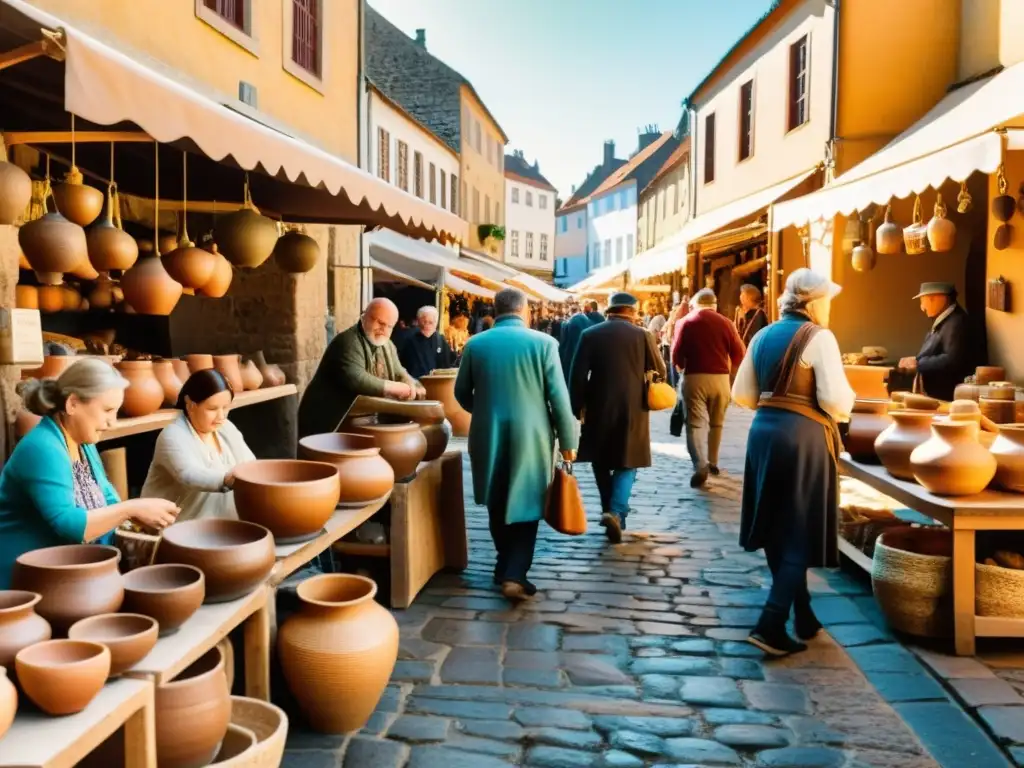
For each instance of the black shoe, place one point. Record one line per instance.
(513, 591)
(805, 622)
(699, 478)
(714, 470)
(612, 527)
(528, 586)
(771, 637)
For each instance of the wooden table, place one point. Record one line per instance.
(37, 740)
(964, 515)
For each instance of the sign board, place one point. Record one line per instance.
(21, 337)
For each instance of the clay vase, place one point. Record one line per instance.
(198, 363)
(868, 420)
(8, 702)
(62, 676)
(401, 443)
(163, 370)
(245, 237)
(363, 474)
(15, 192)
(191, 266)
(219, 282)
(1008, 450)
(952, 462)
(149, 289)
(251, 376)
(338, 652)
(296, 252)
(145, 394)
(897, 441)
(77, 201)
(272, 374)
(181, 369)
(52, 245)
(229, 366)
(292, 498)
(75, 580)
(110, 247)
(437, 436)
(442, 387)
(192, 714)
(20, 625)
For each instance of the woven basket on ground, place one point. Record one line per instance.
(137, 549)
(998, 591)
(270, 726)
(912, 577)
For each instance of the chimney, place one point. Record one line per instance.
(574, 189)
(609, 153)
(648, 135)
(536, 166)
(421, 38)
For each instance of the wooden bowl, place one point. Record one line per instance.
(169, 593)
(128, 637)
(291, 497)
(62, 676)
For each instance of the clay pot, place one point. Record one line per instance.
(920, 402)
(868, 420)
(219, 282)
(26, 297)
(145, 394)
(269, 724)
(102, 296)
(1003, 207)
(8, 702)
(235, 556)
(293, 498)
(77, 201)
(192, 714)
(273, 376)
(110, 247)
(245, 237)
(85, 270)
(428, 414)
(338, 652)
(198, 363)
(52, 367)
(1003, 237)
(1001, 390)
(888, 236)
(364, 475)
(51, 299)
(296, 252)
(169, 593)
(402, 444)
(128, 637)
(251, 376)
(62, 676)
(71, 299)
(442, 387)
(897, 441)
(999, 411)
(20, 625)
(75, 580)
(235, 748)
(967, 392)
(15, 192)
(952, 462)
(181, 369)
(986, 374)
(941, 231)
(149, 289)
(437, 436)
(164, 372)
(1008, 450)
(52, 245)
(192, 267)
(863, 259)
(229, 366)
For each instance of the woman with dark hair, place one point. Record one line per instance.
(195, 455)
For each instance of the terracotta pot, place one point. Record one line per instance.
(75, 580)
(220, 281)
(437, 436)
(235, 556)
(229, 365)
(296, 252)
(8, 702)
(868, 420)
(26, 297)
(128, 637)
(85, 270)
(442, 388)
(77, 201)
(293, 498)
(192, 714)
(402, 444)
(1008, 450)
(272, 374)
(863, 259)
(110, 247)
(149, 289)
(52, 245)
(145, 394)
(71, 298)
(168, 593)
(952, 462)
(999, 411)
(427, 413)
(51, 299)
(62, 676)
(897, 441)
(986, 374)
(1001, 390)
(1003, 207)
(20, 625)
(164, 372)
(181, 369)
(15, 192)
(967, 392)
(269, 724)
(236, 747)
(364, 475)
(888, 236)
(338, 652)
(52, 367)
(192, 267)
(198, 363)
(102, 296)
(245, 237)
(251, 376)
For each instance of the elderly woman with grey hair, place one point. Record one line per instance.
(426, 349)
(793, 376)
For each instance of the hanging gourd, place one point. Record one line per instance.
(52, 245)
(51, 298)
(77, 201)
(888, 236)
(102, 296)
(15, 189)
(296, 252)
(1003, 206)
(191, 266)
(915, 237)
(26, 297)
(863, 259)
(941, 231)
(110, 247)
(964, 201)
(246, 238)
(223, 272)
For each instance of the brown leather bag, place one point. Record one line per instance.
(563, 508)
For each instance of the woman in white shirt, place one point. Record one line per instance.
(793, 375)
(195, 456)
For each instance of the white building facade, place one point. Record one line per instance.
(530, 202)
(612, 226)
(571, 245)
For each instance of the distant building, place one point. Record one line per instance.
(665, 201)
(530, 202)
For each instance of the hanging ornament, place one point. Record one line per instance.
(915, 237)
(941, 231)
(246, 238)
(1003, 205)
(888, 236)
(964, 201)
(77, 201)
(192, 267)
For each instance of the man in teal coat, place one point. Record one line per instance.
(511, 381)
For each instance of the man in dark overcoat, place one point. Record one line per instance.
(608, 394)
(945, 358)
(569, 338)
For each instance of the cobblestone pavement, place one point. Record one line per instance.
(632, 656)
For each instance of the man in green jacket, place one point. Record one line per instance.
(359, 361)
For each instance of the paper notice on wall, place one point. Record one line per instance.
(21, 337)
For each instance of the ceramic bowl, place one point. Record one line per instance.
(291, 497)
(235, 556)
(169, 593)
(128, 637)
(268, 723)
(62, 676)
(363, 473)
(237, 741)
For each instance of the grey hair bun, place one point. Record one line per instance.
(42, 397)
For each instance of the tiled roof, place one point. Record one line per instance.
(517, 168)
(594, 179)
(678, 156)
(639, 166)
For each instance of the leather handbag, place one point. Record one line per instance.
(563, 507)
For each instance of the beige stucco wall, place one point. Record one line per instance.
(990, 36)
(1006, 329)
(487, 178)
(664, 207)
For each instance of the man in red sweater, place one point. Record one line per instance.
(707, 349)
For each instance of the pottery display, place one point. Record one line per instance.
(168, 593)
(401, 442)
(8, 702)
(52, 367)
(198, 363)
(986, 374)
(293, 498)
(437, 436)
(230, 366)
(234, 749)
(181, 369)
(20, 625)
(192, 714)
(1008, 450)
(338, 652)
(15, 191)
(897, 441)
(269, 726)
(251, 376)
(191, 266)
(442, 387)
(149, 289)
(245, 237)
(85, 270)
(52, 245)
(102, 295)
(888, 236)
(272, 374)
(76, 200)
(917, 402)
(364, 475)
(868, 420)
(62, 676)
(952, 462)
(941, 231)
(128, 637)
(75, 580)
(145, 394)
(235, 556)
(163, 370)
(110, 247)
(217, 286)
(998, 410)
(296, 252)
(968, 392)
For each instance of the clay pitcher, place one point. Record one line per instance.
(229, 366)
(168, 378)
(1008, 449)
(402, 442)
(192, 714)
(338, 652)
(251, 376)
(952, 462)
(868, 420)
(897, 441)
(145, 394)
(20, 625)
(442, 387)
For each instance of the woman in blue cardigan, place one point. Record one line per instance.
(53, 489)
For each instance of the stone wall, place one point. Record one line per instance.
(9, 375)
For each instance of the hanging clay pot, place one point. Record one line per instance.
(915, 237)
(868, 420)
(863, 259)
(402, 444)
(102, 296)
(110, 247)
(952, 462)
(199, 362)
(1002, 237)
(364, 474)
(889, 236)
(77, 201)
(296, 252)
(338, 652)
(219, 282)
(85, 271)
(245, 237)
(26, 297)
(191, 266)
(149, 289)
(15, 191)
(144, 394)
(273, 376)
(897, 441)
(941, 231)
(53, 245)
(20, 625)
(1008, 449)
(192, 714)
(1003, 205)
(251, 376)
(442, 387)
(164, 372)
(181, 369)
(229, 365)
(8, 701)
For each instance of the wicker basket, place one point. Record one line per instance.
(998, 591)
(270, 726)
(912, 577)
(137, 549)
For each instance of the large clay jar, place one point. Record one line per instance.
(868, 420)
(110, 247)
(149, 289)
(20, 625)
(181, 369)
(229, 365)
(897, 441)
(338, 652)
(75, 580)
(8, 702)
(198, 363)
(145, 394)
(442, 387)
(245, 237)
(402, 444)
(15, 192)
(219, 282)
(952, 462)
(272, 374)
(163, 370)
(53, 245)
(192, 714)
(251, 376)
(293, 498)
(364, 475)
(296, 252)
(1008, 450)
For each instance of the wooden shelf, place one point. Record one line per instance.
(361, 549)
(163, 417)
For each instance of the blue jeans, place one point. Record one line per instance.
(787, 561)
(615, 487)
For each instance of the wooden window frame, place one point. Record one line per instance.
(443, 184)
(542, 201)
(417, 174)
(433, 183)
(709, 148)
(402, 170)
(515, 194)
(453, 198)
(746, 122)
(529, 199)
(487, 210)
(543, 246)
(529, 245)
(314, 80)
(476, 207)
(244, 37)
(798, 112)
(383, 154)
(515, 244)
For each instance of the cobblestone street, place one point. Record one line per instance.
(632, 656)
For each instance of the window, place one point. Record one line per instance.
(499, 156)
(456, 206)
(798, 83)
(515, 194)
(417, 173)
(232, 11)
(476, 206)
(618, 250)
(476, 135)
(746, 119)
(709, 148)
(563, 223)
(403, 165)
(306, 35)
(490, 150)
(607, 252)
(433, 184)
(384, 154)
(443, 183)
(529, 245)
(664, 203)
(529, 199)
(542, 201)
(465, 198)
(596, 261)
(629, 246)
(675, 199)
(623, 199)
(487, 209)
(579, 221)
(515, 244)
(543, 247)
(233, 19)
(497, 213)
(609, 204)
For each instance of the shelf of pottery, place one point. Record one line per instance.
(960, 464)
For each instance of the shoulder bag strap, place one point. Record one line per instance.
(791, 359)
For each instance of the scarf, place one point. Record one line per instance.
(375, 358)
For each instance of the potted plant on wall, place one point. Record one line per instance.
(491, 236)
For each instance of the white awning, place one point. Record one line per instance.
(535, 285)
(537, 289)
(955, 139)
(416, 258)
(456, 283)
(386, 274)
(601, 278)
(670, 254)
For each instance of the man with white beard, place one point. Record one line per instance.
(359, 361)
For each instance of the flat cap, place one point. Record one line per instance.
(622, 299)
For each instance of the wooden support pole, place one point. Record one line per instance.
(78, 137)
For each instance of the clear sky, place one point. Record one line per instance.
(562, 76)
